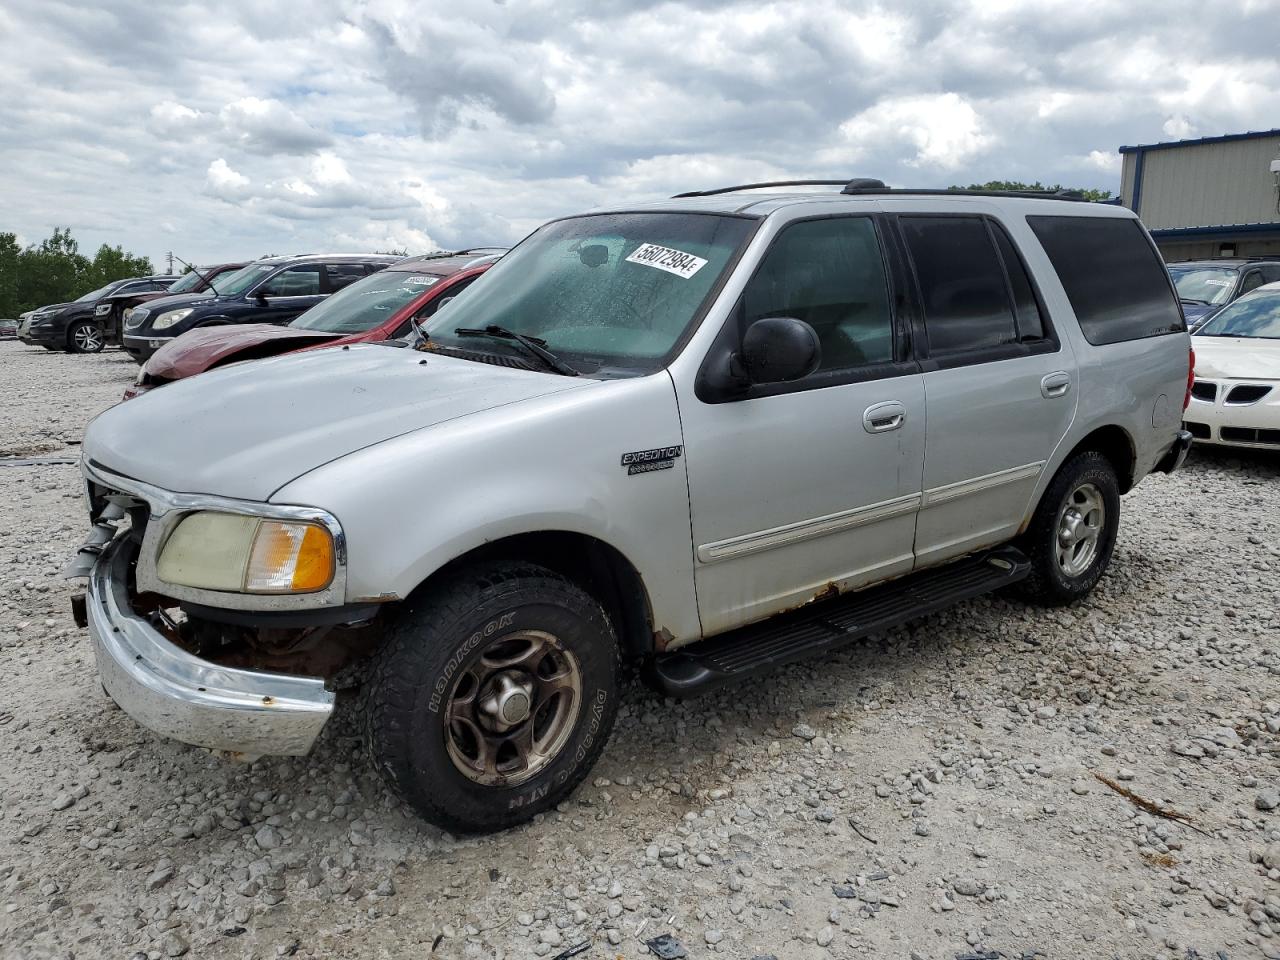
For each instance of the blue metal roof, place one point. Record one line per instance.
(1226, 138)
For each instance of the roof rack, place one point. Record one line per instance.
(860, 183)
(867, 186)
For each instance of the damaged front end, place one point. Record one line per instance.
(246, 681)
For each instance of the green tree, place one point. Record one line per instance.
(55, 271)
(1089, 193)
(112, 263)
(10, 275)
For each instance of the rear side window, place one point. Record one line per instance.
(343, 274)
(1116, 283)
(962, 284)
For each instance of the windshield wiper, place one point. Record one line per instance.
(1203, 303)
(532, 345)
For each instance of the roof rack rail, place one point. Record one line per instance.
(1073, 195)
(867, 186)
(858, 183)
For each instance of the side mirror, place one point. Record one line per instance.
(261, 296)
(777, 350)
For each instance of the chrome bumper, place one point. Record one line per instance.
(181, 696)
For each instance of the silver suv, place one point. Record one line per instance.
(707, 435)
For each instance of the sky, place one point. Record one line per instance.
(241, 128)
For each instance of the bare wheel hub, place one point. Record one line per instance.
(508, 701)
(512, 710)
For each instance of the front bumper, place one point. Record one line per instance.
(142, 347)
(179, 695)
(43, 337)
(1253, 424)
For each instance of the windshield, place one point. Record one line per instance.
(1256, 316)
(613, 291)
(366, 303)
(1201, 284)
(234, 284)
(188, 282)
(96, 294)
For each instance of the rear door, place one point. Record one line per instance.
(1000, 387)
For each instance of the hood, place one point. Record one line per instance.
(1237, 358)
(1195, 312)
(204, 347)
(246, 430)
(176, 301)
(58, 307)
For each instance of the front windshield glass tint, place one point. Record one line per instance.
(95, 294)
(234, 284)
(367, 303)
(189, 281)
(1204, 284)
(613, 291)
(1256, 316)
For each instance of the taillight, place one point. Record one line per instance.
(1191, 378)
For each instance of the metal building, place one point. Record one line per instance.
(1211, 197)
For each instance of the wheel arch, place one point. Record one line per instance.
(598, 567)
(1114, 443)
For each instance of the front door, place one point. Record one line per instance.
(800, 490)
(289, 292)
(1000, 388)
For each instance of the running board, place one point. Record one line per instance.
(828, 624)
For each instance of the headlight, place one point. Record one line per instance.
(239, 554)
(169, 319)
(102, 309)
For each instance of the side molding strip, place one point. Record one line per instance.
(807, 529)
(965, 488)
(790, 533)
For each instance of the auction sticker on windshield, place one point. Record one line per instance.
(665, 258)
(422, 281)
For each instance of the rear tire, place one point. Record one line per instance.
(493, 696)
(85, 337)
(1073, 531)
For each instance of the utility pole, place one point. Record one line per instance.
(170, 257)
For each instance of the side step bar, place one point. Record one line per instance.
(828, 624)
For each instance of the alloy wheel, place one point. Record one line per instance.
(512, 710)
(1081, 520)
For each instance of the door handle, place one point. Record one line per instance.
(1055, 384)
(883, 417)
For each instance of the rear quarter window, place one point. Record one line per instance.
(1115, 280)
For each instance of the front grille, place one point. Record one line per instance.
(1204, 390)
(1247, 393)
(1250, 435)
(1199, 430)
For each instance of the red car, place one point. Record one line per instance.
(378, 307)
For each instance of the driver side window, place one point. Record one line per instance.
(830, 274)
(1252, 280)
(300, 281)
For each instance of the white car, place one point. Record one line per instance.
(1235, 400)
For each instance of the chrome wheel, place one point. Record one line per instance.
(1080, 523)
(512, 710)
(87, 339)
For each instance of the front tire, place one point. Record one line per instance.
(85, 337)
(1073, 532)
(493, 696)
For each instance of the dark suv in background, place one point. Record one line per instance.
(1205, 285)
(113, 308)
(78, 326)
(272, 290)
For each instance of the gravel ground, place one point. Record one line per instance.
(930, 794)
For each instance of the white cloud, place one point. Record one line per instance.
(944, 130)
(224, 183)
(399, 123)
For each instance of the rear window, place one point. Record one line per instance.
(1117, 285)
